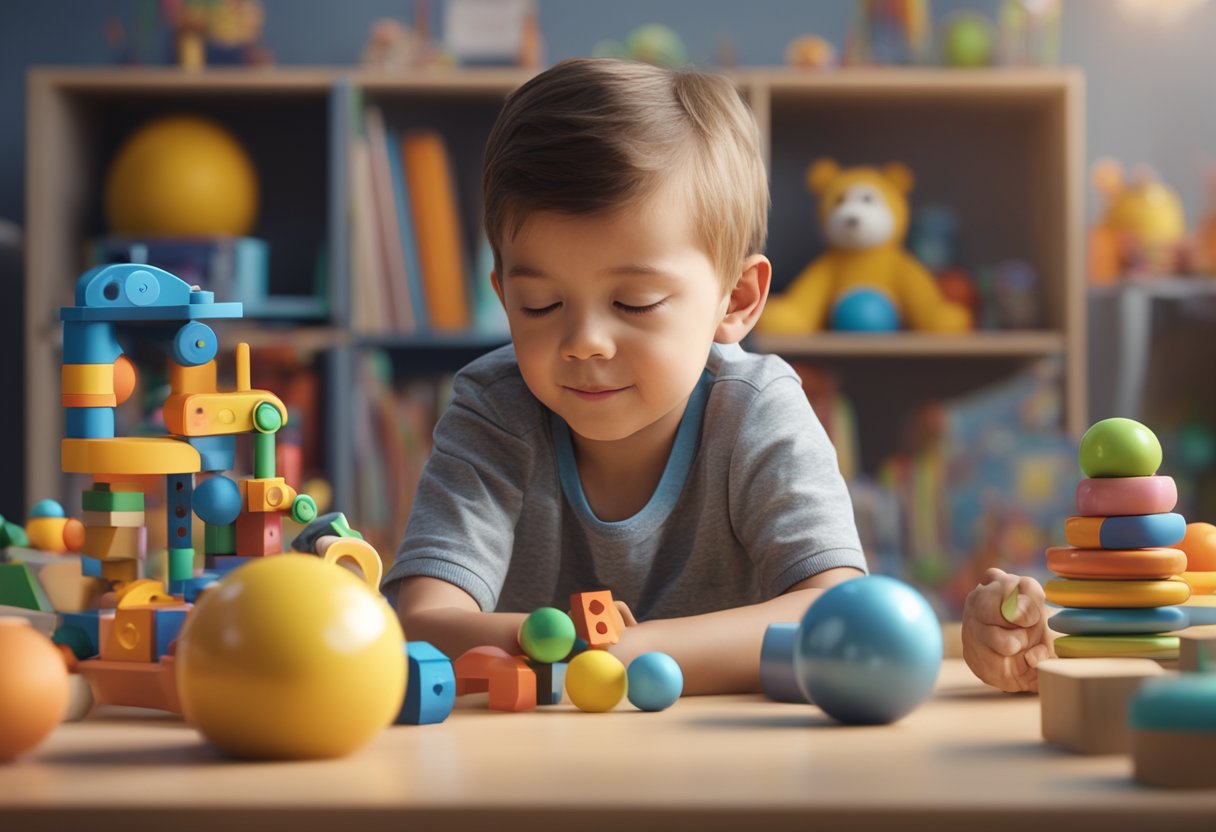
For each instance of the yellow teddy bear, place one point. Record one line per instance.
(866, 280)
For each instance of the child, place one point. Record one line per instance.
(623, 440)
(1005, 651)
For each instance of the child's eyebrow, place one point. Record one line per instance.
(641, 270)
(524, 270)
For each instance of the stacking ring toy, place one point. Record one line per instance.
(1119, 621)
(1145, 647)
(1136, 531)
(1126, 495)
(1068, 562)
(1070, 593)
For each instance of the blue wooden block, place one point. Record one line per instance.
(1142, 531)
(190, 589)
(777, 677)
(430, 692)
(550, 682)
(90, 567)
(223, 564)
(1119, 621)
(90, 343)
(168, 624)
(87, 622)
(217, 453)
(89, 422)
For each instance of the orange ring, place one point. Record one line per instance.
(1069, 562)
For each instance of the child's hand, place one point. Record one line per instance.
(1005, 637)
(626, 614)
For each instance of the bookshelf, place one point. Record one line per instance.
(996, 144)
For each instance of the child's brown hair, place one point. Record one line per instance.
(594, 135)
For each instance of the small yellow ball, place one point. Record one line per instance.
(596, 681)
(291, 658)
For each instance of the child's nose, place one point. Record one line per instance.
(588, 337)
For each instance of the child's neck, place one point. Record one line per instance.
(620, 476)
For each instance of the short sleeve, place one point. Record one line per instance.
(462, 526)
(789, 504)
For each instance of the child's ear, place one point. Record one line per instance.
(746, 300)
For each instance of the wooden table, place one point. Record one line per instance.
(969, 758)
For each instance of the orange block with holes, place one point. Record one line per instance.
(132, 636)
(259, 534)
(273, 494)
(596, 618)
(508, 679)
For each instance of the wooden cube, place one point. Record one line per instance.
(259, 534)
(596, 618)
(1084, 702)
(1197, 649)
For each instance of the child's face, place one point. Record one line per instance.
(612, 316)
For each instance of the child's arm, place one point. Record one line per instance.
(719, 652)
(1006, 637)
(446, 616)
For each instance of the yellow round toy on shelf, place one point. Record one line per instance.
(290, 657)
(181, 176)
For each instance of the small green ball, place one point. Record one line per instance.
(547, 635)
(1119, 448)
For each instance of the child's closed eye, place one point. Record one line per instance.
(536, 312)
(639, 310)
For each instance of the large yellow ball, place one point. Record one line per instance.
(290, 657)
(596, 681)
(181, 176)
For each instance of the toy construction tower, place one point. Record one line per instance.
(1120, 577)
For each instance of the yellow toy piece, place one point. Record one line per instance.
(55, 534)
(264, 495)
(1091, 594)
(186, 380)
(88, 378)
(596, 681)
(145, 592)
(1121, 646)
(864, 213)
(216, 414)
(291, 658)
(136, 455)
(360, 553)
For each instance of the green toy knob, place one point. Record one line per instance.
(303, 509)
(266, 418)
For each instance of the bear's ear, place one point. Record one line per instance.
(820, 173)
(899, 175)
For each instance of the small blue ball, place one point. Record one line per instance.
(217, 501)
(655, 681)
(46, 508)
(869, 650)
(864, 310)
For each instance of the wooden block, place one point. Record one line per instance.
(550, 682)
(259, 534)
(132, 636)
(1176, 759)
(1084, 702)
(116, 519)
(1197, 649)
(123, 571)
(99, 499)
(596, 618)
(134, 684)
(66, 587)
(20, 588)
(508, 679)
(262, 495)
(110, 542)
(431, 690)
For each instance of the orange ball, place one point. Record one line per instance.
(33, 687)
(124, 379)
(1200, 547)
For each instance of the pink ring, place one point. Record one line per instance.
(1113, 496)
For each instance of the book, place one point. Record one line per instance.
(393, 271)
(367, 312)
(437, 228)
(405, 230)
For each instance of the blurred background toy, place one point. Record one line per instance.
(33, 687)
(393, 45)
(889, 32)
(1028, 32)
(653, 43)
(181, 176)
(865, 281)
(810, 52)
(1143, 229)
(967, 40)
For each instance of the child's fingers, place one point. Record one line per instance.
(1037, 655)
(1004, 641)
(626, 614)
(984, 602)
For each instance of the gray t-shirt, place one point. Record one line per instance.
(751, 500)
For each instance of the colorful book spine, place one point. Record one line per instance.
(393, 272)
(405, 225)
